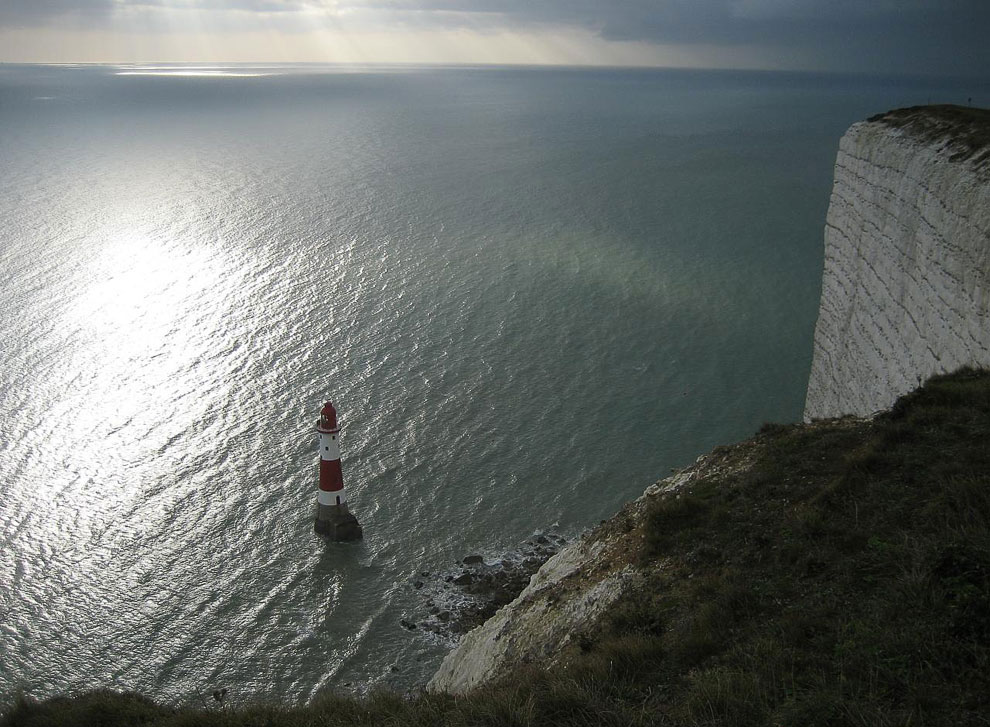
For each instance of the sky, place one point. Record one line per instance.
(927, 37)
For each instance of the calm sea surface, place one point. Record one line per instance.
(530, 293)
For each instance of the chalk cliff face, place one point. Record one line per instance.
(906, 293)
(906, 284)
(564, 599)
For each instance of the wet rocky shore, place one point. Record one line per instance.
(457, 599)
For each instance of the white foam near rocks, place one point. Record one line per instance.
(538, 623)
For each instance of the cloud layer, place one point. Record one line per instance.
(937, 36)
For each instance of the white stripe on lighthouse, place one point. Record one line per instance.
(329, 448)
(331, 498)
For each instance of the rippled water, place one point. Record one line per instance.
(530, 294)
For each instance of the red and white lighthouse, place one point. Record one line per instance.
(333, 519)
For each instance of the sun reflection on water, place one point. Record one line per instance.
(139, 351)
(191, 71)
(139, 288)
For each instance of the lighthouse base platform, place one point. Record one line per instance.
(336, 523)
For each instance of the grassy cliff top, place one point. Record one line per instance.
(833, 573)
(964, 128)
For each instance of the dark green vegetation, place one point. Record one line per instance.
(964, 130)
(842, 579)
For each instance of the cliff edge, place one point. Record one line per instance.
(573, 592)
(905, 295)
(831, 572)
(906, 281)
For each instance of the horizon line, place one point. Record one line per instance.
(488, 65)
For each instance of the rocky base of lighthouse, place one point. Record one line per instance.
(336, 523)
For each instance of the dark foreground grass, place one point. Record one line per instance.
(843, 579)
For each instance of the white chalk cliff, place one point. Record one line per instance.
(906, 283)
(906, 293)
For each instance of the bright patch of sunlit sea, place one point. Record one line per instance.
(529, 293)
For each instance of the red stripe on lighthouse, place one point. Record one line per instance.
(331, 478)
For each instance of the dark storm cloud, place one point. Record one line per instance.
(883, 35)
(42, 12)
(719, 21)
(31, 12)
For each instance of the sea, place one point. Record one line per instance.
(529, 292)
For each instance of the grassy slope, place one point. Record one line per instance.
(844, 578)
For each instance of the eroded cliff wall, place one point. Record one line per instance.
(906, 293)
(906, 283)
